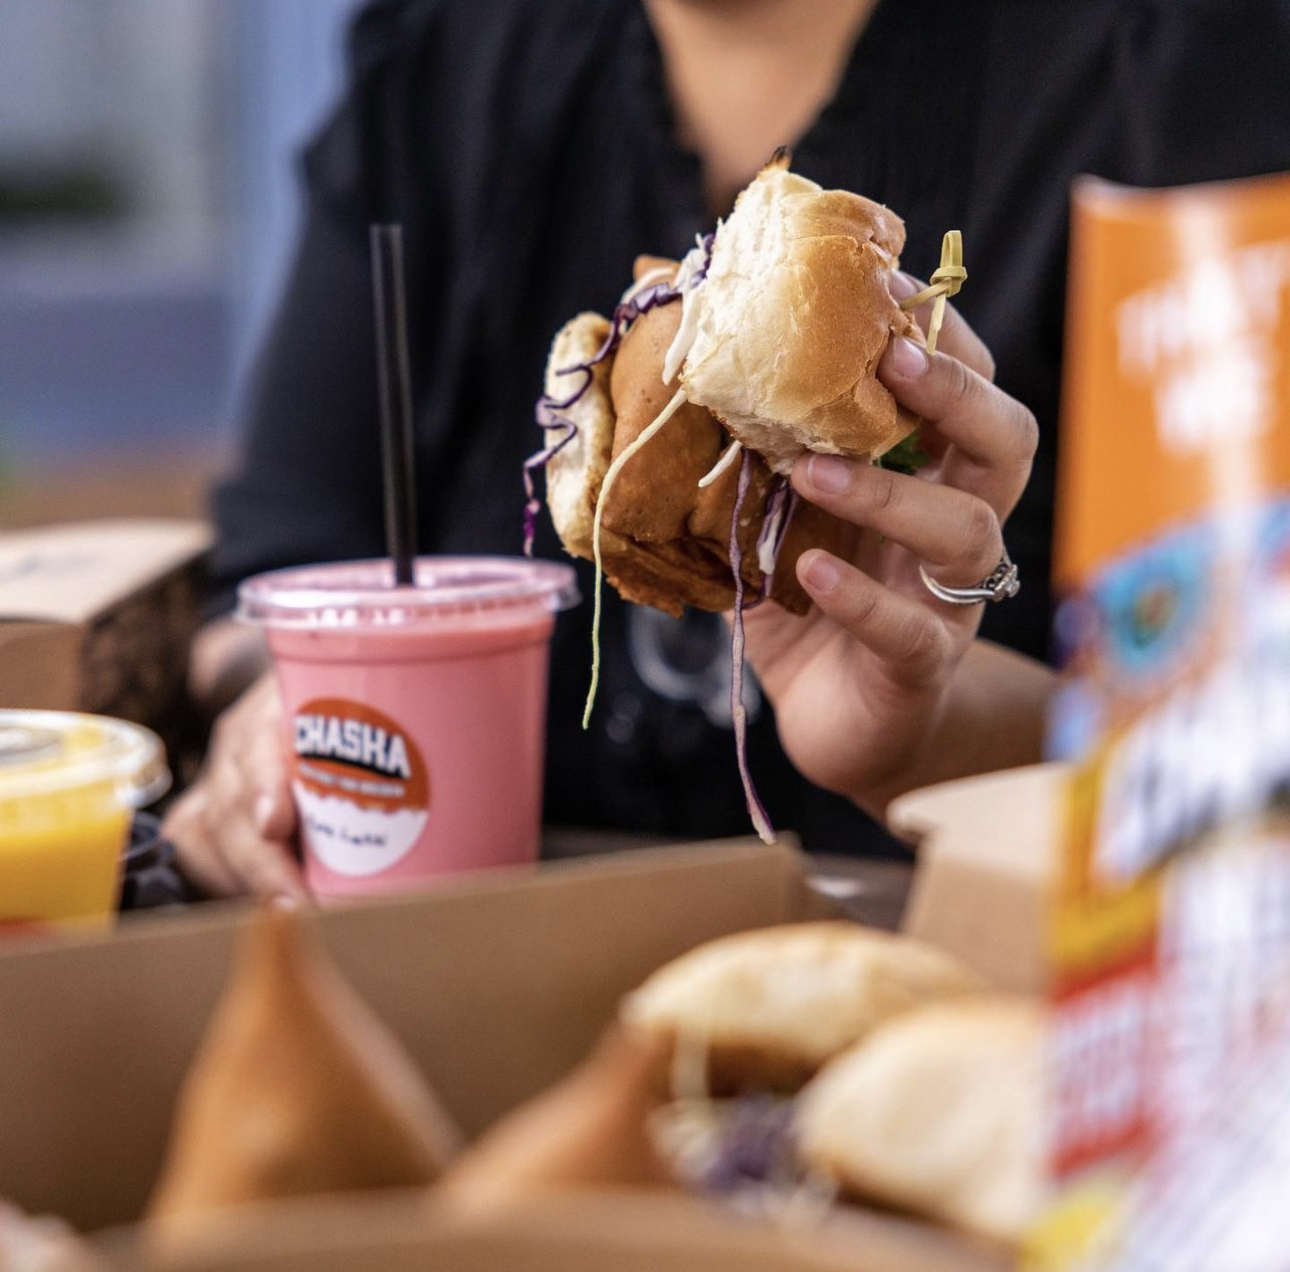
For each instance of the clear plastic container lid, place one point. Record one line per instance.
(50, 752)
(353, 594)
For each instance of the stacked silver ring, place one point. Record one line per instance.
(1004, 581)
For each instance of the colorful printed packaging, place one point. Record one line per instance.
(1170, 1136)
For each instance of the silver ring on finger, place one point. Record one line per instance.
(1002, 582)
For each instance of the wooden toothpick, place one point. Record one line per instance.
(945, 282)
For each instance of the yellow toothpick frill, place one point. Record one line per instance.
(611, 476)
(945, 282)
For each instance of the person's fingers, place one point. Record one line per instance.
(263, 866)
(222, 853)
(903, 632)
(197, 852)
(233, 829)
(957, 337)
(273, 814)
(255, 801)
(260, 782)
(940, 525)
(221, 850)
(994, 437)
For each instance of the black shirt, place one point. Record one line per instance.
(527, 148)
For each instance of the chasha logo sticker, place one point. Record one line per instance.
(361, 786)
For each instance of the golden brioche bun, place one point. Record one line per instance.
(792, 318)
(938, 1111)
(574, 475)
(773, 1005)
(664, 540)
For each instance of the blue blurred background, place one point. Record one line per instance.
(147, 209)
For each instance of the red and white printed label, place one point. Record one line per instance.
(361, 786)
(1102, 1049)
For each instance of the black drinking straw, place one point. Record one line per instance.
(396, 398)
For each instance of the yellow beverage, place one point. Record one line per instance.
(68, 786)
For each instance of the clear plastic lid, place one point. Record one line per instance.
(362, 593)
(49, 752)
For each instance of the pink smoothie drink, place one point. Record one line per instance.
(414, 716)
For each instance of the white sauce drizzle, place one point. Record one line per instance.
(766, 553)
(676, 402)
(659, 274)
(728, 457)
(683, 341)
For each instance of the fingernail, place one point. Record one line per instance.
(902, 286)
(822, 573)
(908, 360)
(828, 475)
(262, 812)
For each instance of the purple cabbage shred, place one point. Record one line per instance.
(625, 313)
(532, 504)
(754, 1146)
(702, 272)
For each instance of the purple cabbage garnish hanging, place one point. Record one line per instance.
(739, 716)
(634, 305)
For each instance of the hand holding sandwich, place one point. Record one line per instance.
(769, 370)
(882, 686)
(713, 444)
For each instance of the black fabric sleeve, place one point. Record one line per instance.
(452, 114)
(307, 484)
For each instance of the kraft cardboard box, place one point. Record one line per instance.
(496, 986)
(98, 616)
(988, 852)
(611, 1231)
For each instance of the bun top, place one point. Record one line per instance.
(773, 1004)
(791, 320)
(575, 473)
(939, 1111)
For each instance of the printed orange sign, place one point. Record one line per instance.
(1178, 361)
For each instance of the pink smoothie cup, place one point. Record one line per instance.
(414, 716)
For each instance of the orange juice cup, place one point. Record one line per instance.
(68, 786)
(415, 716)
